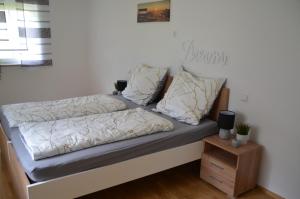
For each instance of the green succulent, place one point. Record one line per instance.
(242, 129)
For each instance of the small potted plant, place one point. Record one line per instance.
(242, 132)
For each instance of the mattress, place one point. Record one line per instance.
(107, 154)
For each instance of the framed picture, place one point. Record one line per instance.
(158, 11)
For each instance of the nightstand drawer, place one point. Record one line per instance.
(218, 167)
(216, 180)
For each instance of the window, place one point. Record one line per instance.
(25, 36)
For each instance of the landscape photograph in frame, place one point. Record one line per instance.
(158, 11)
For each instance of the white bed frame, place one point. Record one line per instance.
(101, 178)
(94, 180)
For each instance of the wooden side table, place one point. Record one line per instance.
(232, 170)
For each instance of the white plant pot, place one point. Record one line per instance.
(243, 138)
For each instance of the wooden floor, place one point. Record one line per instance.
(179, 183)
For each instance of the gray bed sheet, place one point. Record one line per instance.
(107, 154)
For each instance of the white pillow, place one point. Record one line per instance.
(144, 84)
(189, 98)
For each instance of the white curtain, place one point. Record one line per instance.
(25, 35)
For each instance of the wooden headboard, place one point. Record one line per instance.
(220, 104)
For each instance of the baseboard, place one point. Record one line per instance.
(270, 193)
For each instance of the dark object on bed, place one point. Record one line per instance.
(120, 85)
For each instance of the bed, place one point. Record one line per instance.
(97, 168)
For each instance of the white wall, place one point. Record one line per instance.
(97, 42)
(260, 36)
(69, 74)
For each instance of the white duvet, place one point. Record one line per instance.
(17, 114)
(46, 139)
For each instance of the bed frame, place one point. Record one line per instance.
(97, 179)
